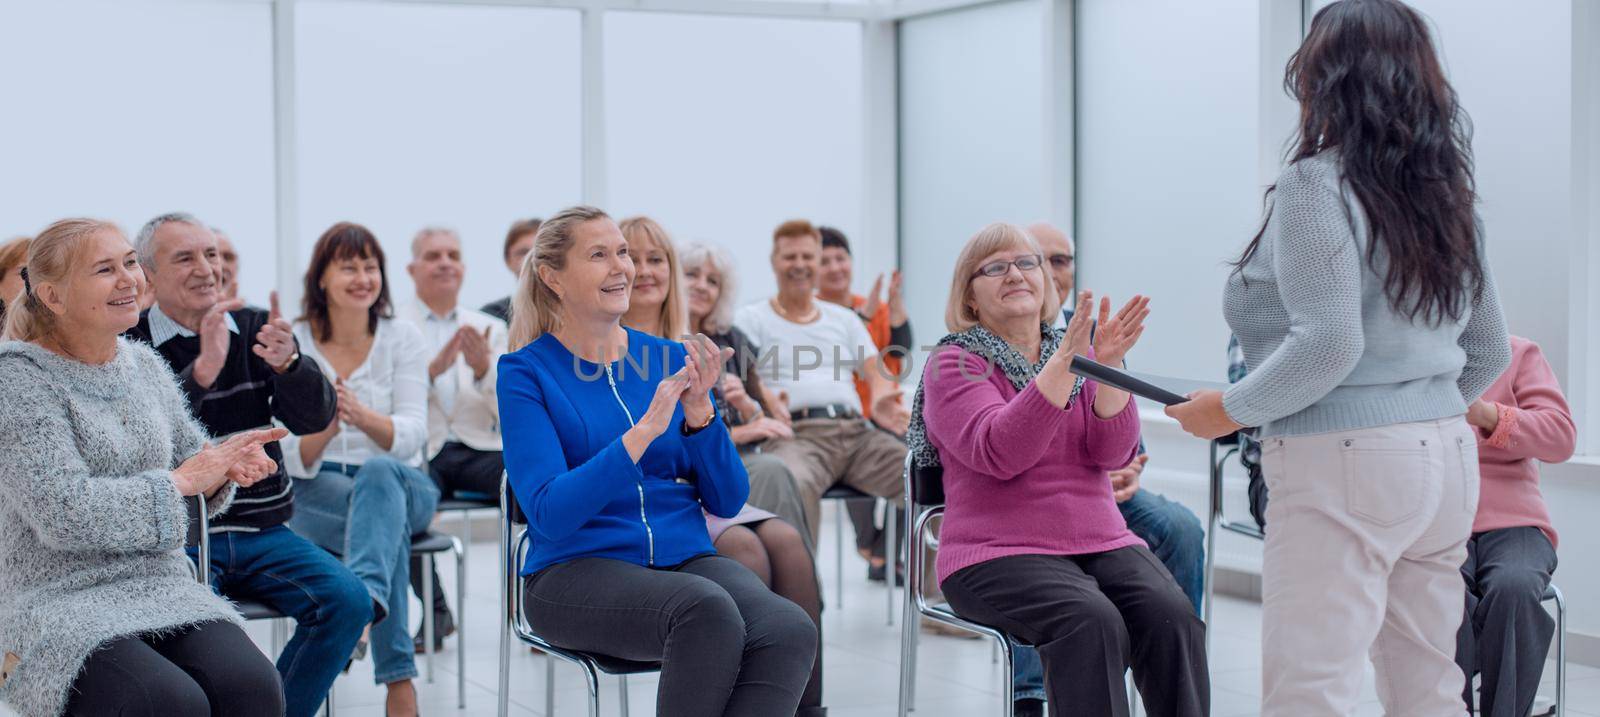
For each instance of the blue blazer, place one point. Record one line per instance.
(562, 420)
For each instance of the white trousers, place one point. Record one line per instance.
(1366, 534)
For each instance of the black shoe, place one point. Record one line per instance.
(878, 573)
(444, 625)
(1028, 707)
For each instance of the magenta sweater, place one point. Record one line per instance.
(1021, 477)
(1535, 424)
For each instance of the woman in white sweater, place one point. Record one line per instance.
(99, 461)
(360, 492)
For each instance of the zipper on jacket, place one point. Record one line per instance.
(650, 535)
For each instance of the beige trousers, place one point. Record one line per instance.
(1367, 531)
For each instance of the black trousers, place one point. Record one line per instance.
(458, 467)
(728, 645)
(1092, 617)
(208, 669)
(1506, 634)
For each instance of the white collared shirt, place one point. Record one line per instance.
(462, 406)
(164, 329)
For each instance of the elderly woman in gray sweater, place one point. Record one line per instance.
(99, 457)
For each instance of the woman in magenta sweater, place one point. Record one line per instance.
(1032, 541)
(1511, 555)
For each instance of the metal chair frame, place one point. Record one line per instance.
(841, 494)
(514, 625)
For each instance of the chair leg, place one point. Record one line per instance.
(594, 689)
(908, 624)
(550, 684)
(507, 606)
(838, 553)
(327, 705)
(1008, 697)
(622, 683)
(427, 612)
(1133, 697)
(1561, 655)
(892, 549)
(461, 624)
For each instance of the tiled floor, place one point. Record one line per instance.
(956, 677)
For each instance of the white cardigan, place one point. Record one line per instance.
(392, 381)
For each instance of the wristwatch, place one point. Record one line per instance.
(287, 365)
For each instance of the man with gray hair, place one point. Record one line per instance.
(463, 448)
(241, 369)
(229, 283)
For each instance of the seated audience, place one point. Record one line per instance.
(613, 476)
(890, 326)
(1032, 542)
(361, 494)
(13, 256)
(1521, 419)
(519, 241)
(742, 400)
(239, 369)
(228, 283)
(758, 539)
(463, 448)
(815, 350)
(99, 459)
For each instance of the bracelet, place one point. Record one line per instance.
(687, 431)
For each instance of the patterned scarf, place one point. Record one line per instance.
(983, 342)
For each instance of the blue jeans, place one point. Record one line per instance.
(367, 514)
(1173, 534)
(287, 573)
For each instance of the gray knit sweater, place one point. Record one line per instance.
(91, 528)
(1325, 348)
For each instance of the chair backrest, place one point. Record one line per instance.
(1230, 440)
(926, 484)
(508, 502)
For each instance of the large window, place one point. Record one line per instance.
(721, 128)
(414, 115)
(1169, 187)
(123, 111)
(973, 146)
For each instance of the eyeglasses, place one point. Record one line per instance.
(1061, 261)
(995, 269)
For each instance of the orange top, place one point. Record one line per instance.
(878, 328)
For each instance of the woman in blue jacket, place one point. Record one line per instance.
(612, 448)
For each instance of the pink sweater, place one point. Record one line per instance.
(1020, 475)
(1535, 424)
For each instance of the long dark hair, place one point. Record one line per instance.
(1371, 88)
(345, 240)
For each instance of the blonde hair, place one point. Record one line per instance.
(50, 259)
(535, 308)
(643, 232)
(959, 314)
(715, 258)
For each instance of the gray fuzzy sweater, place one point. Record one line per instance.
(91, 528)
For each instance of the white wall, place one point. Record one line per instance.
(973, 146)
(411, 115)
(1168, 185)
(721, 128)
(110, 112)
